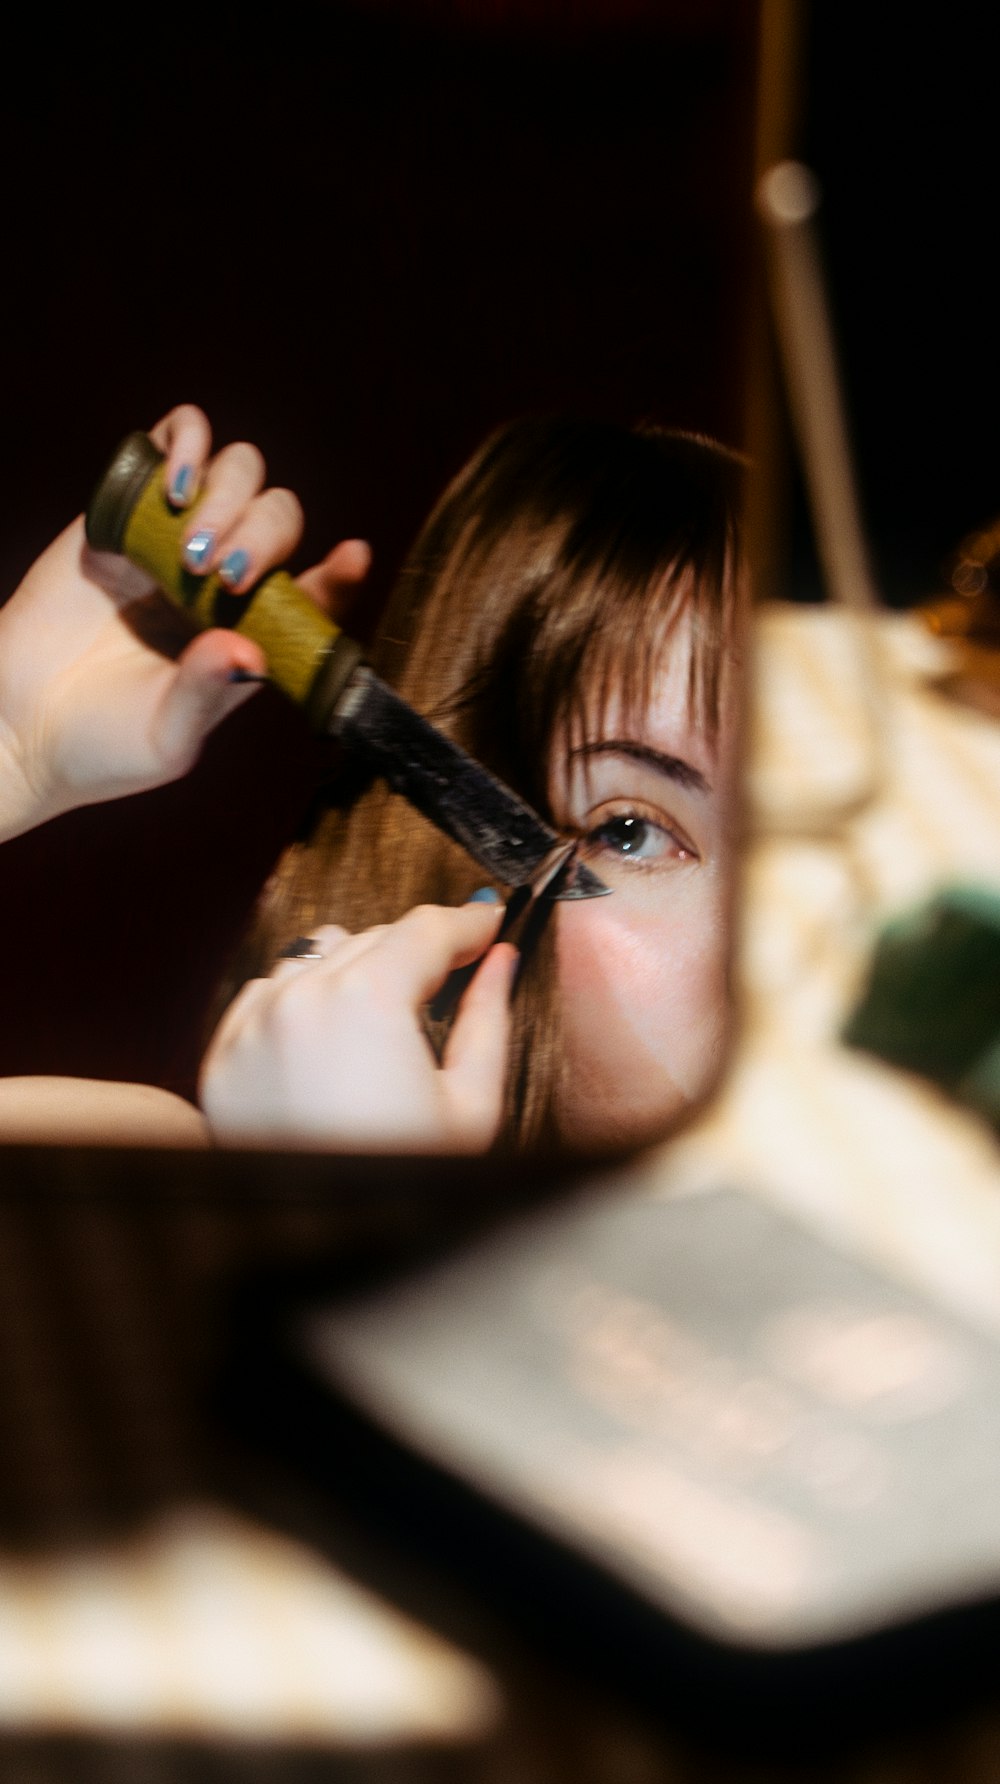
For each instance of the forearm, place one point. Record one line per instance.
(87, 1111)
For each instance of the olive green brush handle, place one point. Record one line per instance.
(309, 657)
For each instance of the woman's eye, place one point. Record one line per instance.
(631, 837)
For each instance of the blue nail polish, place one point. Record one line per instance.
(484, 895)
(234, 567)
(199, 549)
(182, 486)
(239, 676)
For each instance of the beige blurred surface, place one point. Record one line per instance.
(206, 1624)
(849, 824)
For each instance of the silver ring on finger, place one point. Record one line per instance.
(303, 947)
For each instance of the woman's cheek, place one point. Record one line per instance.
(644, 1004)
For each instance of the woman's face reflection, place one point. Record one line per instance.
(644, 974)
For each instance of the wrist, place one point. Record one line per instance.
(21, 806)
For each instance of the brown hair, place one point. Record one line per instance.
(548, 578)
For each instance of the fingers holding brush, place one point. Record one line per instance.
(185, 436)
(475, 1055)
(99, 697)
(241, 528)
(238, 527)
(331, 1049)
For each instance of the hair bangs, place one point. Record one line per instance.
(601, 636)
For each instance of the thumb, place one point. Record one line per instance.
(201, 693)
(475, 1059)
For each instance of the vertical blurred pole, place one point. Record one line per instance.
(779, 105)
(788, 200)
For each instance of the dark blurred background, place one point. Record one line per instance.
(361, 236)
(898, 115)
(366, 235)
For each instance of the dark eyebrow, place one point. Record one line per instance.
(683, 774)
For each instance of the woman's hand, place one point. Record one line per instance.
(332, 1052)
(87, 710)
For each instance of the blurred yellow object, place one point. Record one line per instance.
(968, 616)
(969, 625)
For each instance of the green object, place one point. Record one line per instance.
(309, 657)
(980, 1087)
(932, 1003)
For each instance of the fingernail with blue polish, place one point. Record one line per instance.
(484, 895)
(198, 549)
(182, 487)
(233, 568)
(238, 676)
